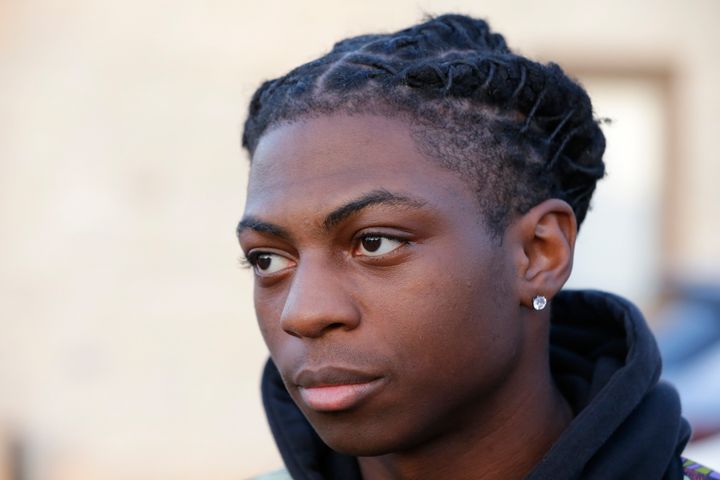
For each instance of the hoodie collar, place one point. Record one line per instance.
(605, 362)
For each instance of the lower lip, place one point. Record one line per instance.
(332, 398)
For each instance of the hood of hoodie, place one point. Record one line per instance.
(605, 362)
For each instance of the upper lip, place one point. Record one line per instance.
(331, 375)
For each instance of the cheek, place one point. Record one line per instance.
(450, 314)
(268, 309)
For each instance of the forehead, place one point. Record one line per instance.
(321, 161)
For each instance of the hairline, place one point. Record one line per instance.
(421, 132)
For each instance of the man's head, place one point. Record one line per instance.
(392, 312)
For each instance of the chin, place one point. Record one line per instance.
(365, 439)
(358, 445)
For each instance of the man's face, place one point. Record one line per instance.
(387, 306)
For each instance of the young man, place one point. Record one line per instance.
(411, 214)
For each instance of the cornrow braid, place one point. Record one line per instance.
(519, 130)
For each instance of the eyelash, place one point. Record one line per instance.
(365, 235)
(244, 262)
(250, 260)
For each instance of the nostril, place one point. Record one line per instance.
(335, 325)
(320, 330)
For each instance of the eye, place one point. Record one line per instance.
(376, 245)
(266, 263)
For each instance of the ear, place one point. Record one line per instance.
(544, 244)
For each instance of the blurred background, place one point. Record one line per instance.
(128, 344)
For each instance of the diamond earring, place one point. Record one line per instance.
(539, 302)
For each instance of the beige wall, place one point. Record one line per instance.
(128, 348)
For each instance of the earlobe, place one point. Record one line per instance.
(547, 239)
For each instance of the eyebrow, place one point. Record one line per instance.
(372, 198)
(375, 197)
(254, 223)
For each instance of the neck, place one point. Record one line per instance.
(504, 438)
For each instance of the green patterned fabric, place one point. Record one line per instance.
(695, 471)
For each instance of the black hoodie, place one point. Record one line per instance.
(604, 360)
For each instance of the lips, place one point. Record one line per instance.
(331, 389)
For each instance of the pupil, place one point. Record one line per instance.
(263, 262)
(371, 244)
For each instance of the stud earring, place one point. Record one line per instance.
(539, 302)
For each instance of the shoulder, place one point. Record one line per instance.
(276, 475)
(694, 471)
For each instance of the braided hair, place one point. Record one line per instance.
(520, 131)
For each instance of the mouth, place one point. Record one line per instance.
(331, 389)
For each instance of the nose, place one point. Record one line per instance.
(318, 301)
